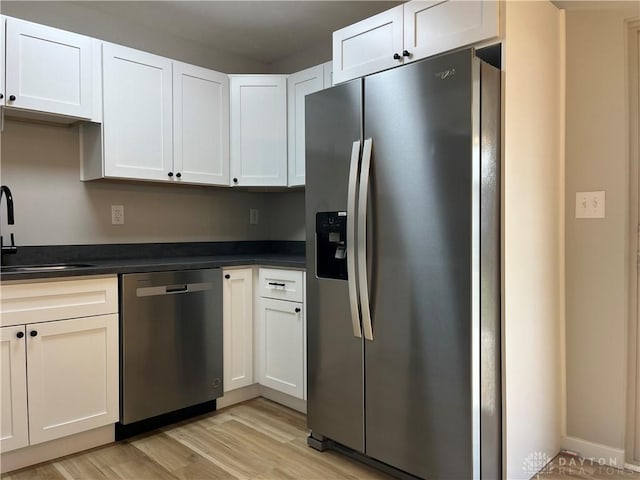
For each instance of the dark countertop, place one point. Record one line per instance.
(192, 256)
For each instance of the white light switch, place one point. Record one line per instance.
(117, 214)
(590, 204)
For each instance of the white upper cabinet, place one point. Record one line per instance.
(409, 32)
(137, 112)
(437, 26)
(3, 25)
(200, 125)
(48, 70)
(300, 84)
(368, 46)
(258, 130)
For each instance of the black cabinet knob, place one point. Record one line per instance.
(235, 180)
(12, 97)
(227, 276)
(170, 174)
(33, 333)
(178, 174)
(1, 96)
(396, 56)
(405, 53)
(297, 310)
(20, 334)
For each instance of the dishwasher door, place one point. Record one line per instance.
(171, 341)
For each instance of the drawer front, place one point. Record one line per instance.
(281, 284)
(43, 301)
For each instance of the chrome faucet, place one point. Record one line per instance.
(4, 190)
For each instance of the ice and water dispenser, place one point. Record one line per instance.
(331, 247)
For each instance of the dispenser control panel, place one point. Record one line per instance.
(331, 245)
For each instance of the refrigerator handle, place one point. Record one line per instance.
(362, 240)
(351, 238)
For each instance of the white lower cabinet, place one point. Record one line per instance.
(264, 332)
(66, 368)
(281, 348)
(237, 294)
(14, 426)
(72, 372)
(281, 331)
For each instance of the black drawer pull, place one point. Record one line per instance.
(297, 310)
(33, 333)
(227, 276)
(20, 334)
(276, 284)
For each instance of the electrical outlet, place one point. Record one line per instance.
(117, 214)
(590, 204)
(253, 216)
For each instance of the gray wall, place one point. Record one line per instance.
(41, 165)
(596, 256)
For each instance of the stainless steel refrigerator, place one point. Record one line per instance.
(403, 268)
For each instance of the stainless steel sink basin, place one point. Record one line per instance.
(42, 268)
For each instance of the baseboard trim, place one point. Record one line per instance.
(60, 447)
(256, 390)
(632, 467)
(238, 395)
(601, 454)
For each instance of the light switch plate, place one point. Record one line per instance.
(253, 216)
(590, 204)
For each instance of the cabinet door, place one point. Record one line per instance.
(200, 125)
(137, 114)
(48, 70)
(432, 27)
(368, 46)
(13, 423)
(73, 376)
(299, 85)
(259, 130)
(237, 330)
(281, 347)
(3, 24)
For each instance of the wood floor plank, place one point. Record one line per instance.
(45, 471)
(181, 461)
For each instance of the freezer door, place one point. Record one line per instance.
(418, 367)
(334, 349)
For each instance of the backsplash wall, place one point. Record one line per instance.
(41, 165)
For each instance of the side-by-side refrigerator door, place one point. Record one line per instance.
(335, 398)
(418, 364)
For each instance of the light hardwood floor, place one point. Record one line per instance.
(258, 440)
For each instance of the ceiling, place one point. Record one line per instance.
(263, 30)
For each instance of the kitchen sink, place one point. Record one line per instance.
(42, 268)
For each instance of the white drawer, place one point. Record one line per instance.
(281, 284)
(46, 300)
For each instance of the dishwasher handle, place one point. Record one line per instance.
(173, 289)
(176, 289)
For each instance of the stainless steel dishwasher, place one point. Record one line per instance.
(171, 342)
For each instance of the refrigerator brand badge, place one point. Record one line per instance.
(447, 73)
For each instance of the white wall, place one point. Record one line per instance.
(75, 17)
(532, 210)
(41, 165)
(596, 252)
